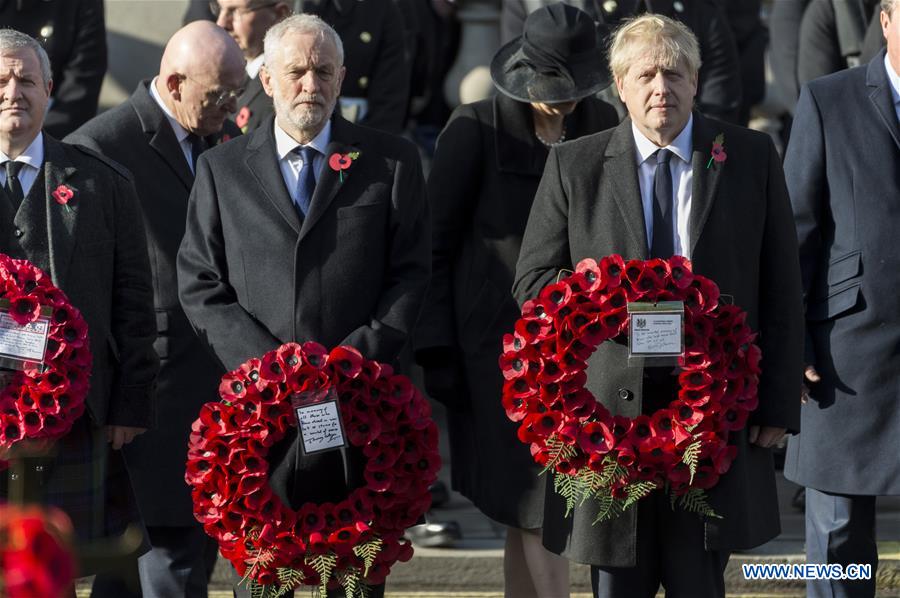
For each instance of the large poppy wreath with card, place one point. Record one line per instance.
(350, 544)
(614, 460)
(46, 350)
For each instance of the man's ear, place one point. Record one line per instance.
(49, 87)
(341, 74)
(173, 85)
(265, 77)
(620, 86)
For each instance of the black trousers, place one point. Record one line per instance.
(840, 529)
(670, 553)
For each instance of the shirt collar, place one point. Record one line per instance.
(180, 132)
(681, 146)
(285, 144)
(33, 154)
(893, 77)
(254, 65)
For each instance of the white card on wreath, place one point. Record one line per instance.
(656, 329)
(25, 343)
(321, 428)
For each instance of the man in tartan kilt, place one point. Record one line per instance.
(94, 249)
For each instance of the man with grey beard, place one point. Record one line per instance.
(285, 244)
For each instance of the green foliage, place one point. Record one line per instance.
(694, 501)
(691, 457)
(349, 580)
(638, 491)
(289, 580)
(323, 564)
(567, 486)
(560, 451)
(367, 552)
(608, 507)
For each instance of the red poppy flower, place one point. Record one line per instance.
(596, 438)
(242, 117)
(612, 268)
(63, 194)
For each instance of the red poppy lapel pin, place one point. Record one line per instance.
(717, 154)
(63, 195)
(242, 117)
(341, 162)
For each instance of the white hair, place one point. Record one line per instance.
(302, 23)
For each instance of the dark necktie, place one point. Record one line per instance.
(306, 183)
(663, 245)
(13, 186)
(198, 146)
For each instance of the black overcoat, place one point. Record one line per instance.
(486, 169)
(252, 275)
(742, 237)
(843, 168)
(254, 106)
(137, 135)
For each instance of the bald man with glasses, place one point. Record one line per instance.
(158, 134)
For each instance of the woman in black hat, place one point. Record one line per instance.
(486, 170)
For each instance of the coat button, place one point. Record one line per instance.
(610, 6)
(47, 30)
(363, 82)
(625, 394)
(18, 233)
(365, 37)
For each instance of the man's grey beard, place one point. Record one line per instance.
(305, 120)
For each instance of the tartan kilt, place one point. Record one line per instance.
(89, 482)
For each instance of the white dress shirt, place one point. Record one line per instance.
(291, 163)
(32, 158)
(254, 65)
(895, 83)
(181, 134)
(682, 178)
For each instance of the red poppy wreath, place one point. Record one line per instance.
(350, 544)
(616, 460)
(39, 404)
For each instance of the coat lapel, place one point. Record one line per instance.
(881, 96)
(62, 220)
(162, 137)
(621, 167)
(262, 160)
(331, 181)
(705, 180)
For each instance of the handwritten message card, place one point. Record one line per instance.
(26, 343)
(656, 334)
(321, 428)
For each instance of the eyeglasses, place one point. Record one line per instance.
(219, 97)
(236, 12)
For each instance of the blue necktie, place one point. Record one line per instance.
(306, 183)
(663, 245)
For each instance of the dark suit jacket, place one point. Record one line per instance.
(74, 34)
(258, 106)
(374, 54)
(253, 276)
(137, 134)
(843, 168)
(742, 237)
(97, 254)
(719, 90)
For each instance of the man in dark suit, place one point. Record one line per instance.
(719, 84)
(73, 33)
(643, 190)
(842, 166)
(247, 22)
(157, 134)
(281, 245)
(94, 249)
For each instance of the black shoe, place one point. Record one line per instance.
(439, 494)
(435, 535)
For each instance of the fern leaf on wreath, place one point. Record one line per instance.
(638, 491)
(695, 502)
(560, 451)
(691, 457)
(367, 552)
(323, 564)
(567, 487)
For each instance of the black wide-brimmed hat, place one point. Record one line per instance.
(559, 58)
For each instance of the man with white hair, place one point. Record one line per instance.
(669, 181)
(287, 241)
(843, 168)
(158, 134)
